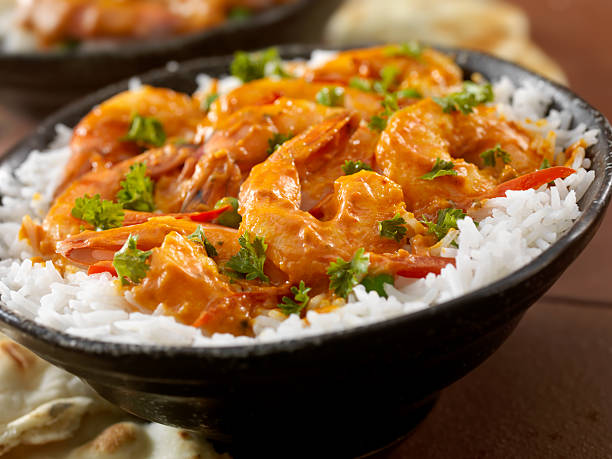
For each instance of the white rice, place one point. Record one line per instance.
(520, 227)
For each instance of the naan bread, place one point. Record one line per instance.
(40, 403)
(127, 440)
(49, 414)
(488, 25)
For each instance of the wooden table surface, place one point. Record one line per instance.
(546, 392)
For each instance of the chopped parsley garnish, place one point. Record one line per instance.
(260, 64)
(210, 98)
(146, 130)
(249, 261)
(377, 123)
(409, 93)
(100, 213)
(230, 217)
(199, 236)
(345, 275)
(492, 154)
(410, 49)
(361, 84)
(298, 302)
(239, 13)
(393, 228)
(439, 169)
(464, 101)
(545, 164)
(447, 219)
(390, 106)
(277, 140)
(137, 190)
(352, 167)
(377, 283)
(130, 262)
(331, 96)
(388, 75)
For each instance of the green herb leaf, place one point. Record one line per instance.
(331, 96)
(377, 283)
(277, 140)
(388, 75)
(410, 49)
(298, 302)
(260, 64)
(390, 105)
(464, 101)
(447, 219)
(130, 262)
(352, 167)
(239, 13)
(393, 228)
(209, 101)
(100, 213)
(137, 190)
(361, 84)
(231, 217)
(545, 164)
(199, 236)
(489, 156)
(345, 275)
(377, 123)
(439, 169)
(249, 261)
(146, 130)
(409, 93)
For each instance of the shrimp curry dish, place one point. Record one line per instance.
(65, 24)
(286, 192)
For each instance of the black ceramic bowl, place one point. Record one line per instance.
(40, 82)
(336, 395)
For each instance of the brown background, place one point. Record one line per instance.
(546, 392)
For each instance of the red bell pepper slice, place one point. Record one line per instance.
(209, 215)
(533, 180)
(405, 264)
(135, 218)
(102, 267)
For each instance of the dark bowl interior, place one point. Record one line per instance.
(38, 83)
(348, 392)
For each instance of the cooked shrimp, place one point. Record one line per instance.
(243, 140)
(59, 223)
(266, 91)
(98, 139)
(247, 133)
(301, 246)
(91, 247)
(420, 134)
(187, 283)
(430, 71)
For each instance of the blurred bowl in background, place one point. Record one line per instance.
(39, 82)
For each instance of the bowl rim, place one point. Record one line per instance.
(159, 46)
(590, 216)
